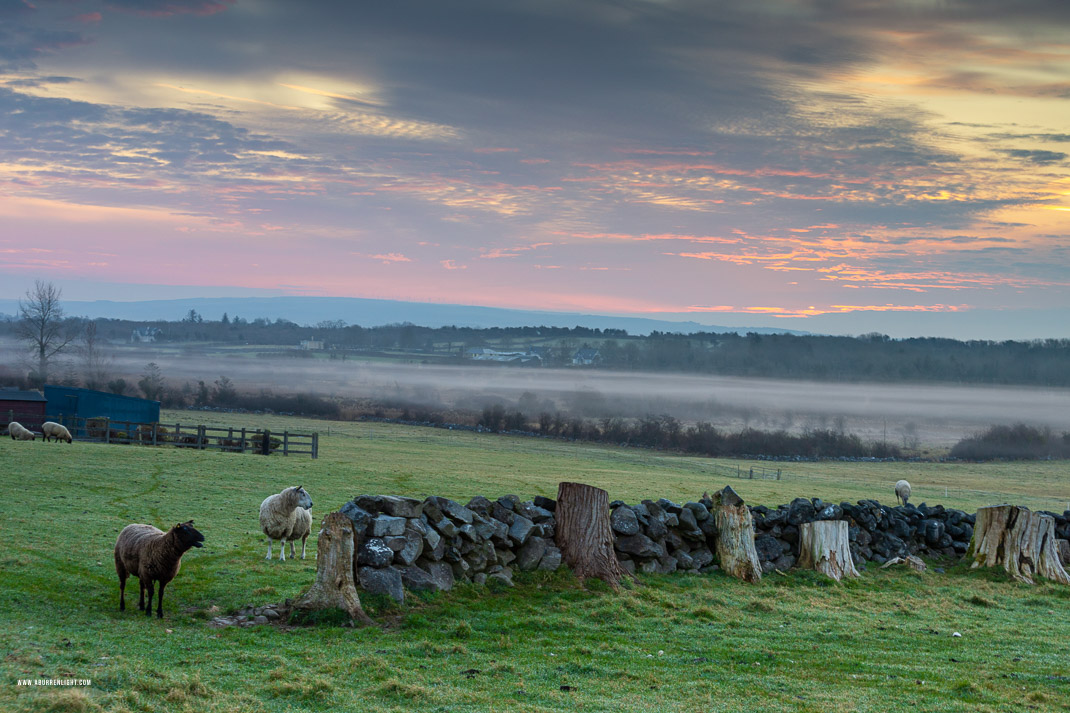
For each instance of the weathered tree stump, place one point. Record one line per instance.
(584, 535)
(823, 546)
(735, 536)
(1019, 540)
(334, 587)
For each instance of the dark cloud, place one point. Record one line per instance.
(1036, 156)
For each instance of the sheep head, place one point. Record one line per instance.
(187, 535)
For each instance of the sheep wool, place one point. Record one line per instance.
(302, 529)
(51, 429)
(152, 555)
(902, 491)
(278, 516)
(18, 432)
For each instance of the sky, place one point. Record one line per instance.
(847, 166)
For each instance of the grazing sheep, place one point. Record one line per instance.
(278, 516)
(51, 429)
(302, 529)
(152, 555)
(18, 432)
(902, 492)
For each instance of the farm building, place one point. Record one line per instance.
(26, 407)
(67, 403)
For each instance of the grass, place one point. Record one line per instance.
(675, 643)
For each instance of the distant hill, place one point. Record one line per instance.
(373, 313)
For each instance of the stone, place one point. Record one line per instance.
(799, 511)
(414, 547)
(530, 554)
(445, 527)
(479, 504)
(455, 511)
(768, 549)
(784, 562)
(381, 581)
(505, 556)
(387, 525)
(502, 576)
(546, 503)
(432, 510)
(468, 532)
(501, 513)
(271, 614)
(509, 502)
(260, 619)
(551, 560)
(698, 510)
(417, 579)
(701, 558)
(669, 506)
(431, 538)
(395, 542)
(640, 546)
(521, 529)
(374, 553)
(398, 506)
(687, 521)
(360, 517)
(624, 521)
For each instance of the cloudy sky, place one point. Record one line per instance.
(839, 165)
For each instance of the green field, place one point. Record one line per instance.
(673, 643)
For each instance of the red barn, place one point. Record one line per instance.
(26, 407)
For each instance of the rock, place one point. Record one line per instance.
(381, 581)
(698, 510)
(387, 525)
(445, 527)
(271, 614)
(505, 557)
(502, 576)
(521, 529)
(687, 521)
(432, 510)
(546, 503)
(413, 548)
(416, 579)
(455, 511)
(431, 538)
(441, 574)
(784, 562)
(468, 532)
(669, 506)
(260, 620)
(830, 512)
(501, 513)
(398, 506)
(640, 546)
(799, 511)
(1064, 551)
(530, 554)
(624, 521)
(701, 557)
(768, 549)
(360, 517)
(551, 560)
(479, 504)
(395, 542)
(533, 512)
(374, 553)
(509, 502)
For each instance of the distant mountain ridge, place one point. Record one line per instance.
(373, 313)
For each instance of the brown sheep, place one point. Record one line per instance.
(152, 555)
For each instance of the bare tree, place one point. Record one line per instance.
(96, 365)
(41, 326)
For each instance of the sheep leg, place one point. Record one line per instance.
(122, 591)
(159, 603)
(269, 549)
(282, 551)
(152, 591)
(303, 541)
(141, 594)
(292, 551)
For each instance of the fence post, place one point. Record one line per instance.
(178, 435)
(778, 473)
(286, 443)
(200, 437)
(155, 431)
(107, 430)
(265, 444)
(243, 439)
(316, 444)
(752, 473)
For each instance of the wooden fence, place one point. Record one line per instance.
(200, 437)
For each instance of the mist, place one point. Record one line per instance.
(936, 415)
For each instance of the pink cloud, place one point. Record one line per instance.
(89, 18)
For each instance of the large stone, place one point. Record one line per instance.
(501, 513)
(521, 529)
(395, 542)
(398, 506)
(640, 546)
(624, 521)
(551, 560)
(413, 548)
(374, 552)
(455, 511)
(360, 517)
(381, 581)
(546, 503)
(416, 579)
(701, 557)
(532, 552)
(501, 576)
(441, 574)
(768, 549)
(533, 512)
(799, 511)
(468, 532)
(445, 527)
(479, 504)
(384, 525)
(698, 510)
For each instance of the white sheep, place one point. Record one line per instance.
(902, 492)
(18, 432)
(278, 516)
(302, 529)
(51, 429)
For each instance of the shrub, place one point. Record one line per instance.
(1017, 442)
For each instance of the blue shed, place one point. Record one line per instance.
(67, 402)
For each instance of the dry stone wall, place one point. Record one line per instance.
(431, 544)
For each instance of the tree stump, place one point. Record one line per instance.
(735, 536)
(823, 545)
(334, 587)
(1019, 540)
(584, 535)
